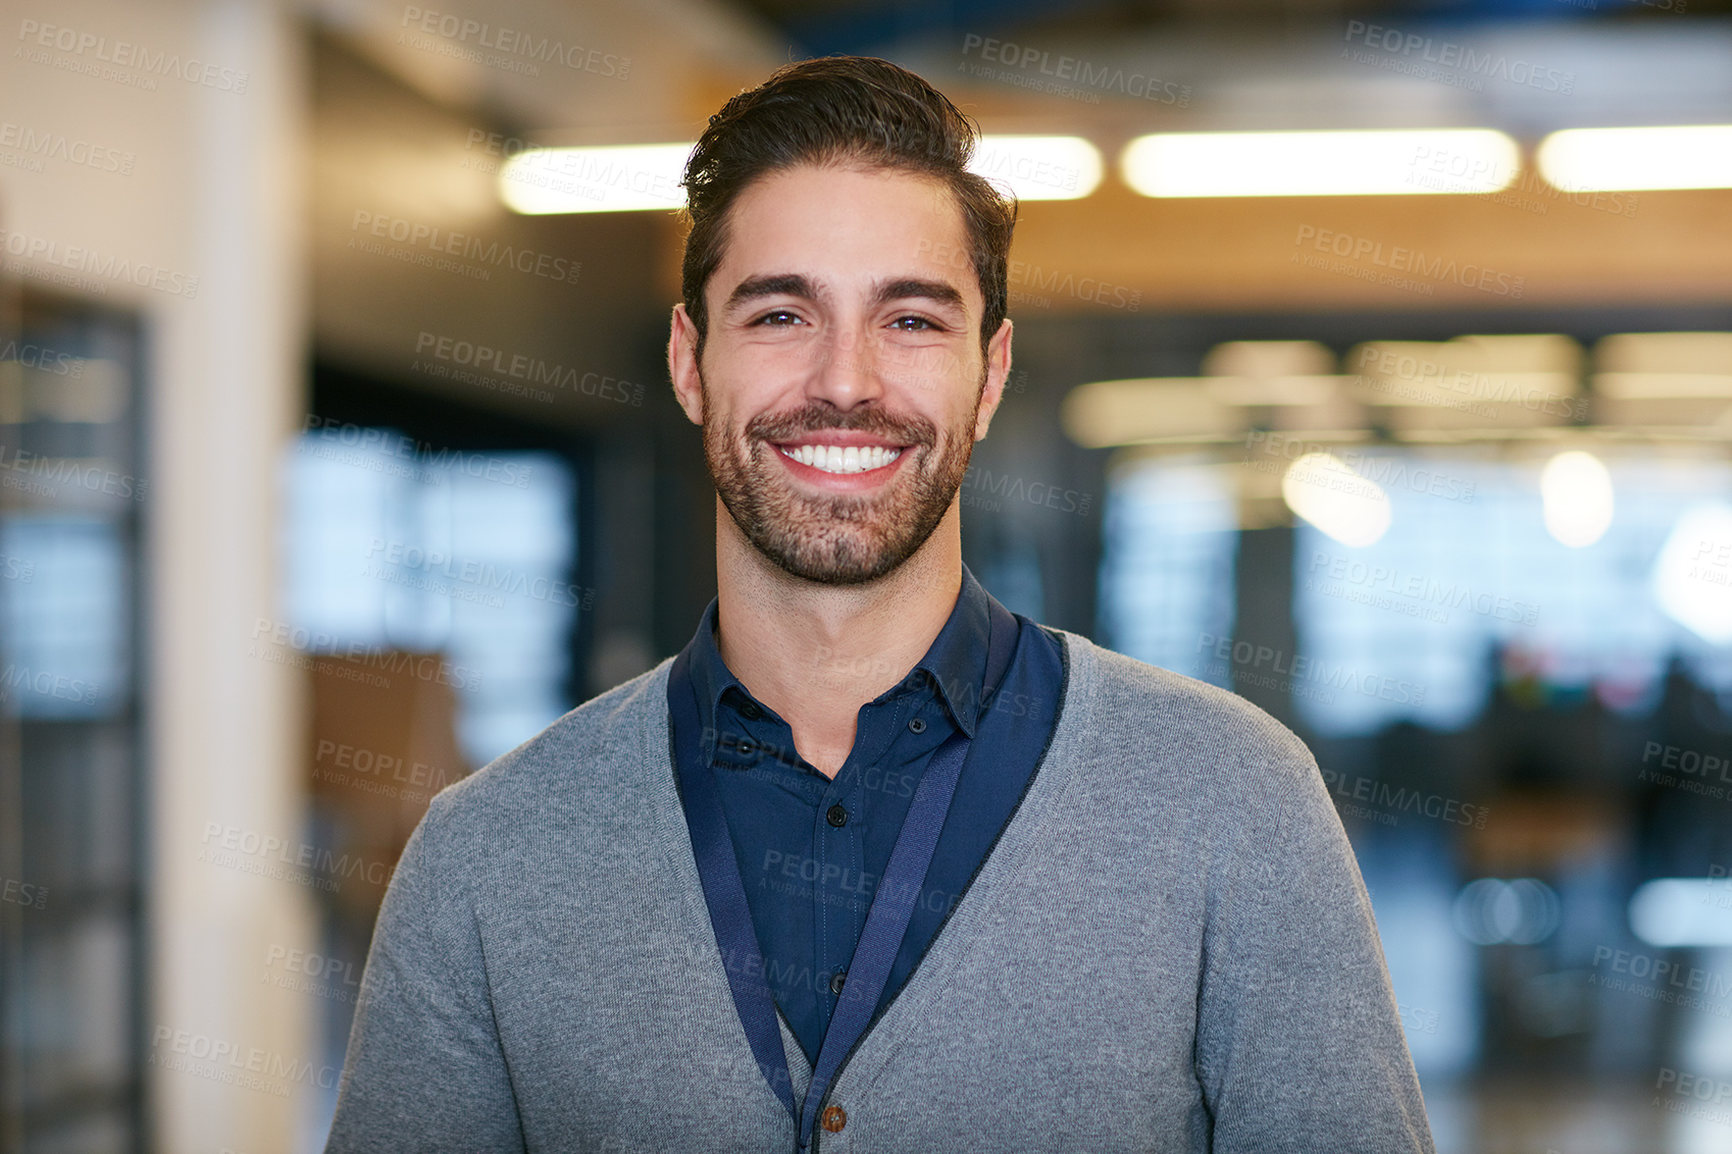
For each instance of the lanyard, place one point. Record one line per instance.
(886, 920)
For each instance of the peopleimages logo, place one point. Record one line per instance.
(384, 556)
(522, 366)
(1661, 979)
(986, 489)
(44, 475)
(1517, 185)
(1393, 800)
(42, 358)
(510, 42)
(1379, 367)
(1688, 770)
(103, 267)
(1331, 575)
(124, 54)
(1301, 673)
(1352, 250)
(235, 1064)
(1415, 52)
(252, 852)
(1278, 452)
(24, 894)
(44, 683)
(1091, 79)
(440, 242)
(43, 145)
(284, 644)
(1034, 277)
(373, 771)
(420, 458)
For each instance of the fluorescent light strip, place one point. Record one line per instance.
(1039, 167)
(1620, 159)
(624, 178)
(646, 177)
(1413, 162)
(1324, 490)
(1679, 913)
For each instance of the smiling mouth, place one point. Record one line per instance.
(841, 459)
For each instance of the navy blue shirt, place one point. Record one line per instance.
(811, 849)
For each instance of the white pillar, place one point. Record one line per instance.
(226, 392)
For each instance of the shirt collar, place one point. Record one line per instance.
(955, 663)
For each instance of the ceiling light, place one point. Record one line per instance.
(1105, 413)
(1039, 167)
(1576, 491)
(1321, 488)
(1615, 159)
(619, 178)
(1692, 579)
(1356, 163)
(1668, 386)
(1683, 912)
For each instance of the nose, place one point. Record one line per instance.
(847, 374)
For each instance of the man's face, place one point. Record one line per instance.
(844, 329)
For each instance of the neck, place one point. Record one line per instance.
(816, 653)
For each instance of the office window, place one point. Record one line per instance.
(64, 630)
(392, 546)
(1166, 584)
(72, 801)
(1410, 627)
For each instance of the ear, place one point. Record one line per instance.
(997, 372)
(683, 365)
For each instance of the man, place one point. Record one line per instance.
(873, 864)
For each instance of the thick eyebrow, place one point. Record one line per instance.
(937, 291)
(776, 284)
(883, 292)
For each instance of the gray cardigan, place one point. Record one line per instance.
(1169, 949)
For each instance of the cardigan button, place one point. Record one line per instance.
(835, 1118)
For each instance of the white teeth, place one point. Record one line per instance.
(837, 459)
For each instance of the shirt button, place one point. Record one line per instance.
(837, 816)
(916, 725)
(750, 710)
(745, 747)
(836, 982)
(835, 1118)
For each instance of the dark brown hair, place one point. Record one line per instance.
(855, 109)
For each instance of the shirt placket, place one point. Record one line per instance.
(839, 853)
(842, 897)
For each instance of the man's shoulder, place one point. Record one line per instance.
(1201, 764)
(594, 746)
(1148, 709)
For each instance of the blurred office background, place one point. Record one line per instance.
(337, 457)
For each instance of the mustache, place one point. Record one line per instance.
(910, 430)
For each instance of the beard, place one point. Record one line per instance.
(837, 538)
